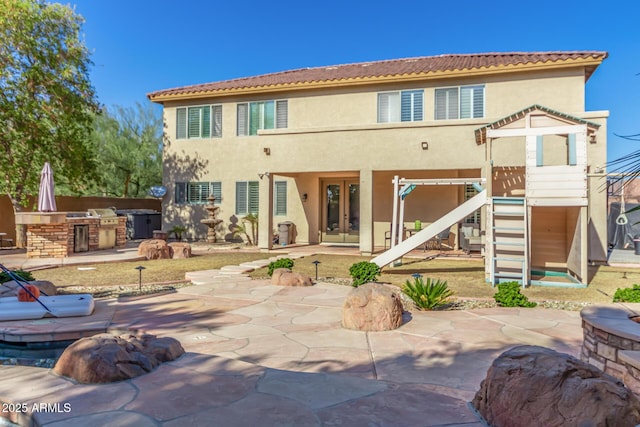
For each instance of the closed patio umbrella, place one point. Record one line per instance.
(46, 196)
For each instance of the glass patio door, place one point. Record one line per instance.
(341, 211)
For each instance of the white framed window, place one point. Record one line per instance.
(462, 102)
(253, 116)
(204, 121)
(404, 106)
(197, 193)
(247, 197)
(280, 198)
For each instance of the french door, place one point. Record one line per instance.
(341, 211)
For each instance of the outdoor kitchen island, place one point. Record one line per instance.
(60, 234)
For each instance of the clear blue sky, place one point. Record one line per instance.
(139, 46)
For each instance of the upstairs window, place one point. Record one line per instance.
(197, 193)
(199, 122)
(253, 116)
(464, 102)
(405, 106)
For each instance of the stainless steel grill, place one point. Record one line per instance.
(107, 227)
(107, 216)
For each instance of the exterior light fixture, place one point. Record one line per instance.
(140, 268)
(304, 197)
(267, 151)
(424, 145)
(316, 262)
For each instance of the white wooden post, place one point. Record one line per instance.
(394, 219)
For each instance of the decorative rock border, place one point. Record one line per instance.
(612, 341)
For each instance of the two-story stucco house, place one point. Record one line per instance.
(332, 148)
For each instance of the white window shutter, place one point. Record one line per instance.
(243, 119)
(217, 121)
(216, 190)
(280, 198)
(254, 197)
(193, 127)
(282, 114)
(241, 198)
(181, 123)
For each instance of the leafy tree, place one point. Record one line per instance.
(128, 142)
(47, 102)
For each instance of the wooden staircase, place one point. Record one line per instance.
(508, 219)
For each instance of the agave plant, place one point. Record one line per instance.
(427, 295)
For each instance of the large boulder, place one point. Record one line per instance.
(154, 249)
(11, 288)
(105, 358)
(531, 383)
(179, 250)
(285, 277)
(372, 307)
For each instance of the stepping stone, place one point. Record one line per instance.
(235, 268)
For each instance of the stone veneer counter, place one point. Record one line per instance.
(612, 341)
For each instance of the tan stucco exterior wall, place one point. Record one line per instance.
(335, 133)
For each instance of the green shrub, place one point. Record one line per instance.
(280, 263)
(627, 294)
(4, 277)
(509, 295)
(429, 295)
(363, 272)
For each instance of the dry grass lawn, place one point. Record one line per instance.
(464, 276)
(156, 271)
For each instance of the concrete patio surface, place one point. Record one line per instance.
(259, 354)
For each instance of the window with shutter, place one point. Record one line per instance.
(411, 105)
(247, 197)
(280, 198)
(254, 116)
(463, 102)
(405, 106)
(469, 192)
(197, 193)
(181, 123)
(195, 122)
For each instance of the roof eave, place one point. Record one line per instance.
(590, 64)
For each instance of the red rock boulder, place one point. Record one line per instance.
(285, 277)
(531, 385)
(372, 307)
(179, 250)
(154, 249)
(106, 358)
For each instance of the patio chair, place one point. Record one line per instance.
(437, 240)
(387, 236)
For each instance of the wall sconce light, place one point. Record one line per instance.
(304, 197)
(262, 175)
(267, 151)
(592, 138)
(425, 145)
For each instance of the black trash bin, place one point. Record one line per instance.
(285, 234)
(636, 246)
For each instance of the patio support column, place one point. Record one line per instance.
(366, 211)
(265, 214)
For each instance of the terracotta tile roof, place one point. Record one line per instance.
(481, 133)
(386, 70)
